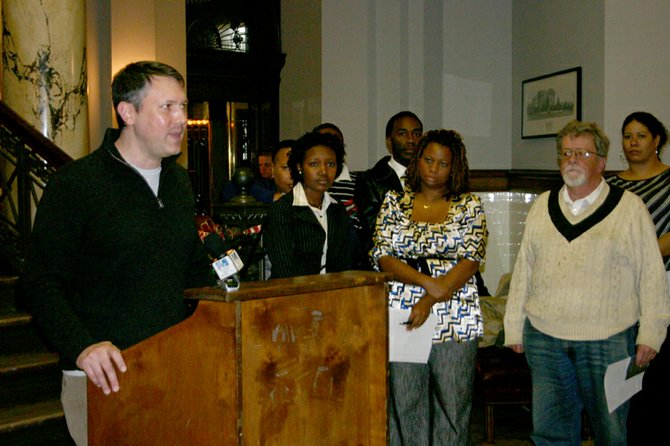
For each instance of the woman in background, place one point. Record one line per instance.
(432, 238)
(306, 231)
(281, 174)
(643, 139)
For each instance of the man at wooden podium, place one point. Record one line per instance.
(114, 243)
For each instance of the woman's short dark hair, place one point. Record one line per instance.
(459, 178)
(655, 127)
(328, 126)
(284, 144)
(313, 139)
(131, 83)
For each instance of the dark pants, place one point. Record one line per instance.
(430, 404)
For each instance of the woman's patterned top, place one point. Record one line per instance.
(438, 247)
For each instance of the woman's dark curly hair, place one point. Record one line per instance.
(306, 142)
(459, 178)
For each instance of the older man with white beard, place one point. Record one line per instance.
(588, 287)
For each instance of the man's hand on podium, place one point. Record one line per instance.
(98, 362)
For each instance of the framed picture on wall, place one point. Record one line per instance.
(550, 101)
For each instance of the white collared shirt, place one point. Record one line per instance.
(399, 170)
(344, 175)
(300, 199)
(578, 206)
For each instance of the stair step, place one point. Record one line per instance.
(18, 334)
(39, 424)
(28, 378)
(20, 417)
(13, 318)
(26, 361)
(17, 330)
(8, 281)
(7, 292)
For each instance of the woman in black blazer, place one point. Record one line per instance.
(307, 231)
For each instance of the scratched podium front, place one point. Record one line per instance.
(300, 361)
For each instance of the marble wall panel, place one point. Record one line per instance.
(44, 68)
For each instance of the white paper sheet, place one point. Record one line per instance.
(409, 345)
(618, 389)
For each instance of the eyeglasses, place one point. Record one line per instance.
(581, 155)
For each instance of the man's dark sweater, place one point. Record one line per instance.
(108, 259)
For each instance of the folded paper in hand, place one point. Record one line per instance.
(409, 345)
(622, 380)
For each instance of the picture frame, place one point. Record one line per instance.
(549, 102)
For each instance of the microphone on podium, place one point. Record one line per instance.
(228, 262)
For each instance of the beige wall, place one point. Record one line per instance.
(148, 30)
(124, 31)
(300, 88)
(448, 61)
(98, 44)
(637, 64)
(577, 40)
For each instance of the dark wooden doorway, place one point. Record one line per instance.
(234, 61)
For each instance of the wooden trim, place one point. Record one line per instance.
(289, 286)
(489, 180)
(534, 180)
(514, 180)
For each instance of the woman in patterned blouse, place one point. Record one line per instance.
(643, 137)
(432, 237)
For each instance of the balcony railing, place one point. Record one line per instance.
(27, 160)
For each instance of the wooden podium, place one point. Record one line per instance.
(300, 361)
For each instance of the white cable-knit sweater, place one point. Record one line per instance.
(590, 276)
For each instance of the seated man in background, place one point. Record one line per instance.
(265, 167)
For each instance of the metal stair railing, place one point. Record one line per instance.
(27, 160)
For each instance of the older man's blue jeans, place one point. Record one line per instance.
(568, 376)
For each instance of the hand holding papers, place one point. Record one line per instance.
(623, 379)
(412, 345)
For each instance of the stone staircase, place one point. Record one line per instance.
(30, 410)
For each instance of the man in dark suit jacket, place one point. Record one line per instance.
(403, 132)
